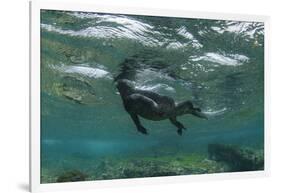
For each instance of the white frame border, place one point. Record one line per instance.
(36, 6)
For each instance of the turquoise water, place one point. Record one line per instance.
(216, 64)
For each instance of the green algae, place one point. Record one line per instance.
(138, 167)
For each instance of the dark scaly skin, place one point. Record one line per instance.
(153, 106)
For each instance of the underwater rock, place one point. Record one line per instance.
(236, 158)
(154, 167)
(109, 168)
(161, 168)
(150, 169)
(76, 89)
(73, 96)
(75, 82)
(77, 59)
(72, 176)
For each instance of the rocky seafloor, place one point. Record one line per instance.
(220, 158)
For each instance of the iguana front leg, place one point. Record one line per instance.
(138, 124)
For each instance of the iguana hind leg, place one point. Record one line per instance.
(178, 124)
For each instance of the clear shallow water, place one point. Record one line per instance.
(216, 64)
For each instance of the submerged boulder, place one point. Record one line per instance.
(76, 89)
(156, 167)
(150, 169)
(236, 158)
(72, 176)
